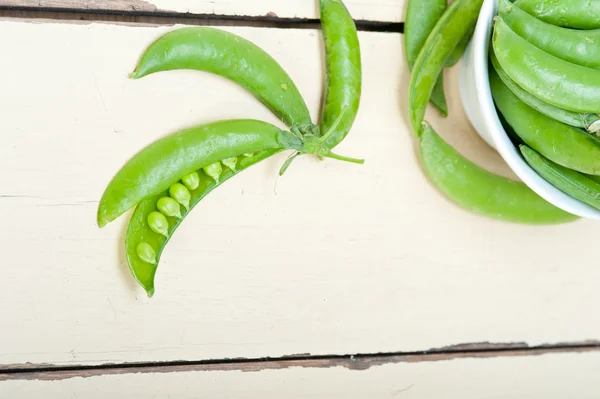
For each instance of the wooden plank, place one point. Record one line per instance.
(372, 10)
(550, 376)
(332, 258)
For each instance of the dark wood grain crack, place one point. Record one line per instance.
(352, 362)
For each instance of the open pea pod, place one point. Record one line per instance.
(162, 164)
(144, 245)
(230, 56)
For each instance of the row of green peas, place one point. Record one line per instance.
(179, 194)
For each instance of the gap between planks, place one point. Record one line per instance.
(352, 362)
(160, 18)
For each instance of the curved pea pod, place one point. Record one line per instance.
(163, 163)
(578, 14)
(343, 71)
(566, 180)
(554, 80)
(580, 47)
(233, 57)
(586, 121)
(456, 23)
(421, 17)
(566, 145)
(144, 247)
(480, 191)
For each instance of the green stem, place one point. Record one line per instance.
(343, 158)
(287, 163)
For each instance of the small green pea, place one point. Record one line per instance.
(214, 170)
(191, 181)
(146, 253)
(169, 207)
(158, 223)
(230, 163)
(180, 194)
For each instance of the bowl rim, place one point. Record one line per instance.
(480, 43)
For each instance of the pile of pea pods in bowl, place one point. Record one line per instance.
(530, 85)
(526, 84)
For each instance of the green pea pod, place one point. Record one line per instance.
(457, 22)
(459, 50)
(593, 178)
(480, 191)
(343, 70)
(144, 267)
(580, 47)
(230, 56)
(554, 80)
(568, 146)
(578, 14)
(163, 163)
(566, 180)
(421, 17)
(587, 121)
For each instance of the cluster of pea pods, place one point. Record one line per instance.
(550, 98)
(168, 178)
(434, 33)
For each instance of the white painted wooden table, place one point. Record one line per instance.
(329, 261)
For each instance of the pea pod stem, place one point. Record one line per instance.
(288, 162)
(319, 146)
(344, 158)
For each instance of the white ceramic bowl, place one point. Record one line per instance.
(479, 106)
